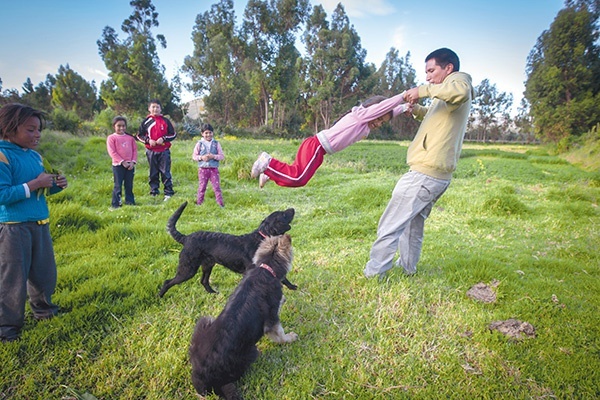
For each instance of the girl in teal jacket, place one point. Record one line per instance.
(27, 265)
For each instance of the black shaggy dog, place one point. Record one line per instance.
(210, 248)
(223, 349)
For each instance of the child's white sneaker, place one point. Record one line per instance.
(262, 180)
(260, 165)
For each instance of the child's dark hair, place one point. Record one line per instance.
(154, 101)
(373, 100)
(119, 118)
(206, 127)
(14, 115)
(443, 57)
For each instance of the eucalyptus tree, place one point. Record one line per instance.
(523, 123)
(563, 74)
(215, 66)
(72, 92)
(319, 82)
(347, 62)
(269, 29)
(27, 87)
(395, 75)
(491, 110)
(135, 72)
(40, 96)
(334, 66)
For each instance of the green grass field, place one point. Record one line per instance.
(513, 214)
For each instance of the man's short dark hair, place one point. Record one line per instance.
(443, 57)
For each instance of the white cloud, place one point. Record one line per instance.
(359, 8)
(399, 38)
(96, 73)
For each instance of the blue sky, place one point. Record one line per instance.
(492, 38)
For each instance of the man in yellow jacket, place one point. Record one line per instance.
(432, 157)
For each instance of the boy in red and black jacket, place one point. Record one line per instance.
(157, 133)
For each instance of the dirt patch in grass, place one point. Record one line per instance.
(514, 328)
(482, 292)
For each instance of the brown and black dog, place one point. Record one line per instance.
(223, 349)
(206, 249)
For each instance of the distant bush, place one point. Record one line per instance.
(103, 120)
(63, 120)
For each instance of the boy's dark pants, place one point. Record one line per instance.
(27, 267)
(122, 177)
(159, 163)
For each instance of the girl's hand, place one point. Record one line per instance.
(61, 181)
(43, 180)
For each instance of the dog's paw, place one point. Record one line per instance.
(290, 337)
(289, 284)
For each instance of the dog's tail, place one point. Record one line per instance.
(171, 224)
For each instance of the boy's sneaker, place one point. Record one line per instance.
(260, 165)
(167, 197)
(262, 180)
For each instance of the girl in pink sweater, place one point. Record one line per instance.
(122, 149)
(352, 127)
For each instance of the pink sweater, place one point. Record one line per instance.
(354, 126)
(121, 148)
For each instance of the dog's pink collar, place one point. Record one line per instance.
(262, 234)
(265, 266)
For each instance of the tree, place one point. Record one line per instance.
(40, 96)
(318, 81)
(268, 29)
(395, 76)
(135, 72)
(348, 62)
(334, 66)
(490, 111)
(523, 122)
(215, 67)
(72, 92)
(563, 82)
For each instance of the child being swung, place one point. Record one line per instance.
(122, 149)
(349, 129)
(27, 264)
(208, 153)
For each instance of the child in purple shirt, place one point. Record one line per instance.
(351, 128)
(208, 153)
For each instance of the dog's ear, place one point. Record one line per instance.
(287, 238)
(284, 246)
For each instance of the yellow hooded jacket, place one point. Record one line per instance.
(436, 148)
